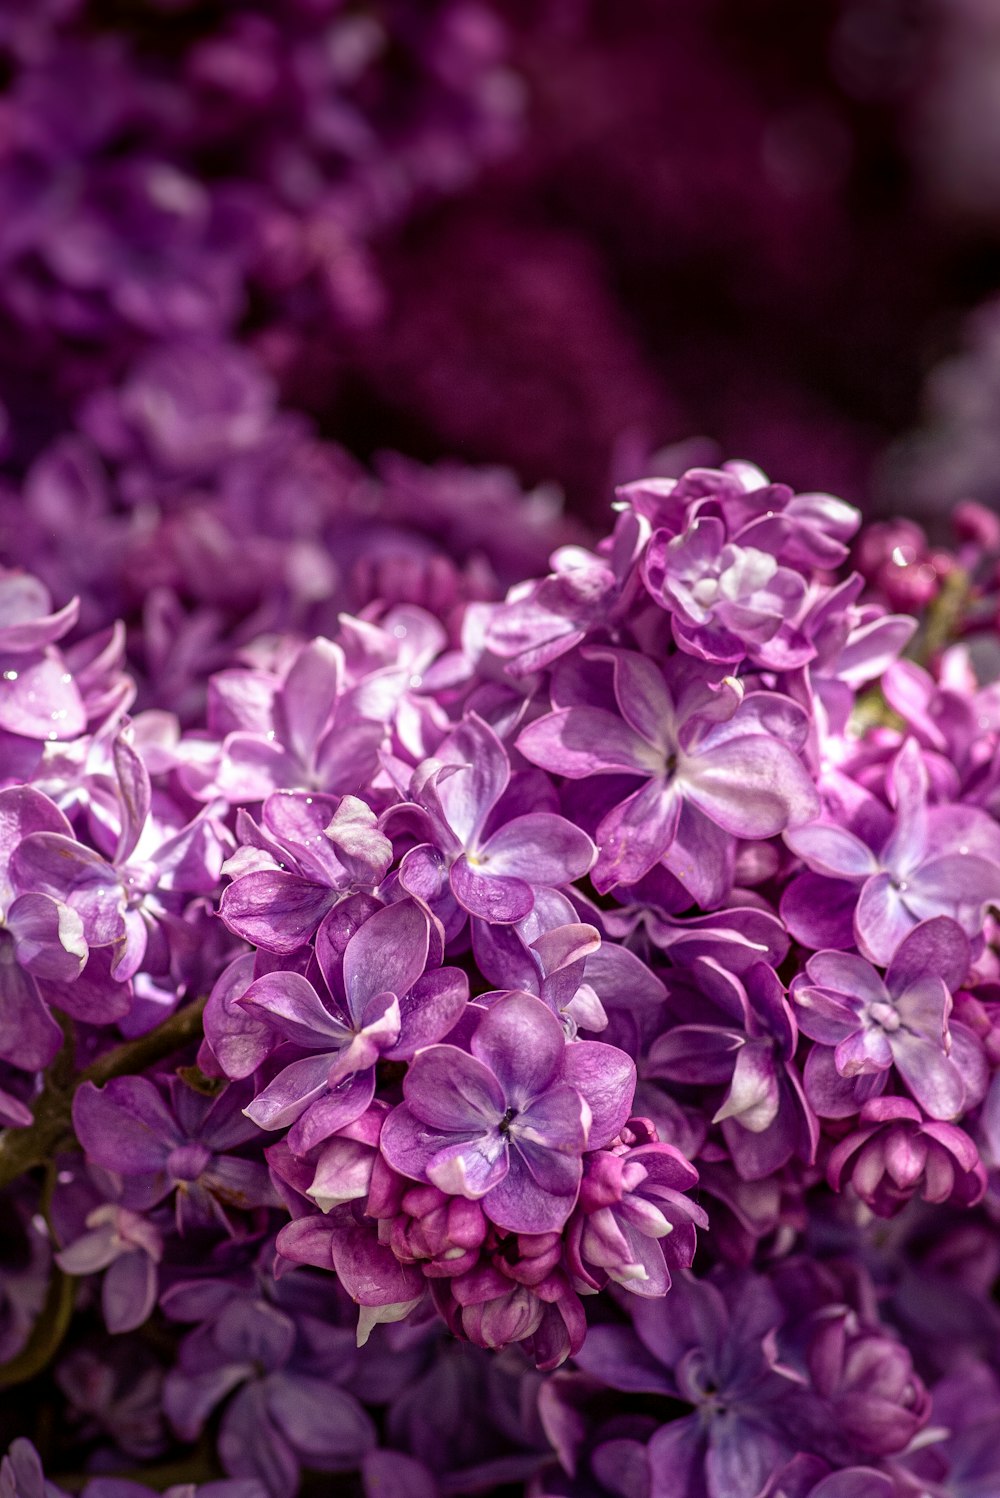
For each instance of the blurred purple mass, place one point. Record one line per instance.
(500, 899)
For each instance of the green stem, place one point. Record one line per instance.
(23, 1149)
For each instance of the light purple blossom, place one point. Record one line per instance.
(509, 1120)
(701, 745)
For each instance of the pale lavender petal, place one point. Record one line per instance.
(581, 741)
(752, 787)
(938, 947)
(431, 1009)
(468, 796)
(449, 1090)
(521, 1044)
(48, 937)
(289, 1002)
(308, 697)
(605, 1078)
(832, 851)
(520, 1205)
(540, 848)
(881, 920)
(386, 955)
(128, 1293)
(274, 910)
(635, 835)
(489, 896)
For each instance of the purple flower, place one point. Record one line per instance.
(634, 1223)
(185, 1147)
(473, 857)
(713, 1347)
(129, 1248)
(40, 938)
(382, 1005)
(900, 1021)
(729, 602)
(718, 765)
(309, 852)
(894, 1153)
(765, 1117)
(287, 1411)
(868, 1379)
(129, 902)
(508, 1122)
(930, 861)
(38, 696)
(308, 730)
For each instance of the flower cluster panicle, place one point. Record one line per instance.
(547, 974)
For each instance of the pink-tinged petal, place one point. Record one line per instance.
(134, 795)
(863, 1051)
(581, 741)
(48, 937)
(468, 1167)
(938, 947)
(642, 696)
(334, 1109)
(522, 1045)
(881, 920)
(932, 1077)
(753, 1096)
(752, 787)
(540, 848)
(253, 766)
(288, 1002)
(636, 834)
(24, 810)
(39, 698)
(489, 896)
(290, 1094)
(370, 1272)
(26, 617)
(605, 1078)
(343, 1173)
(274, 910)
(702, 858)
(832, 851)
(468, 796)
(520, 1205)
(29, 1036)
(423, 873)
(448, 1089)
(308, 697)
(125, 1126)
(386, 955)
(430, 1011)
(364, 851)
(238, 1041)
(47, 863)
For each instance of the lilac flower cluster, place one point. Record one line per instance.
(578, 1007)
